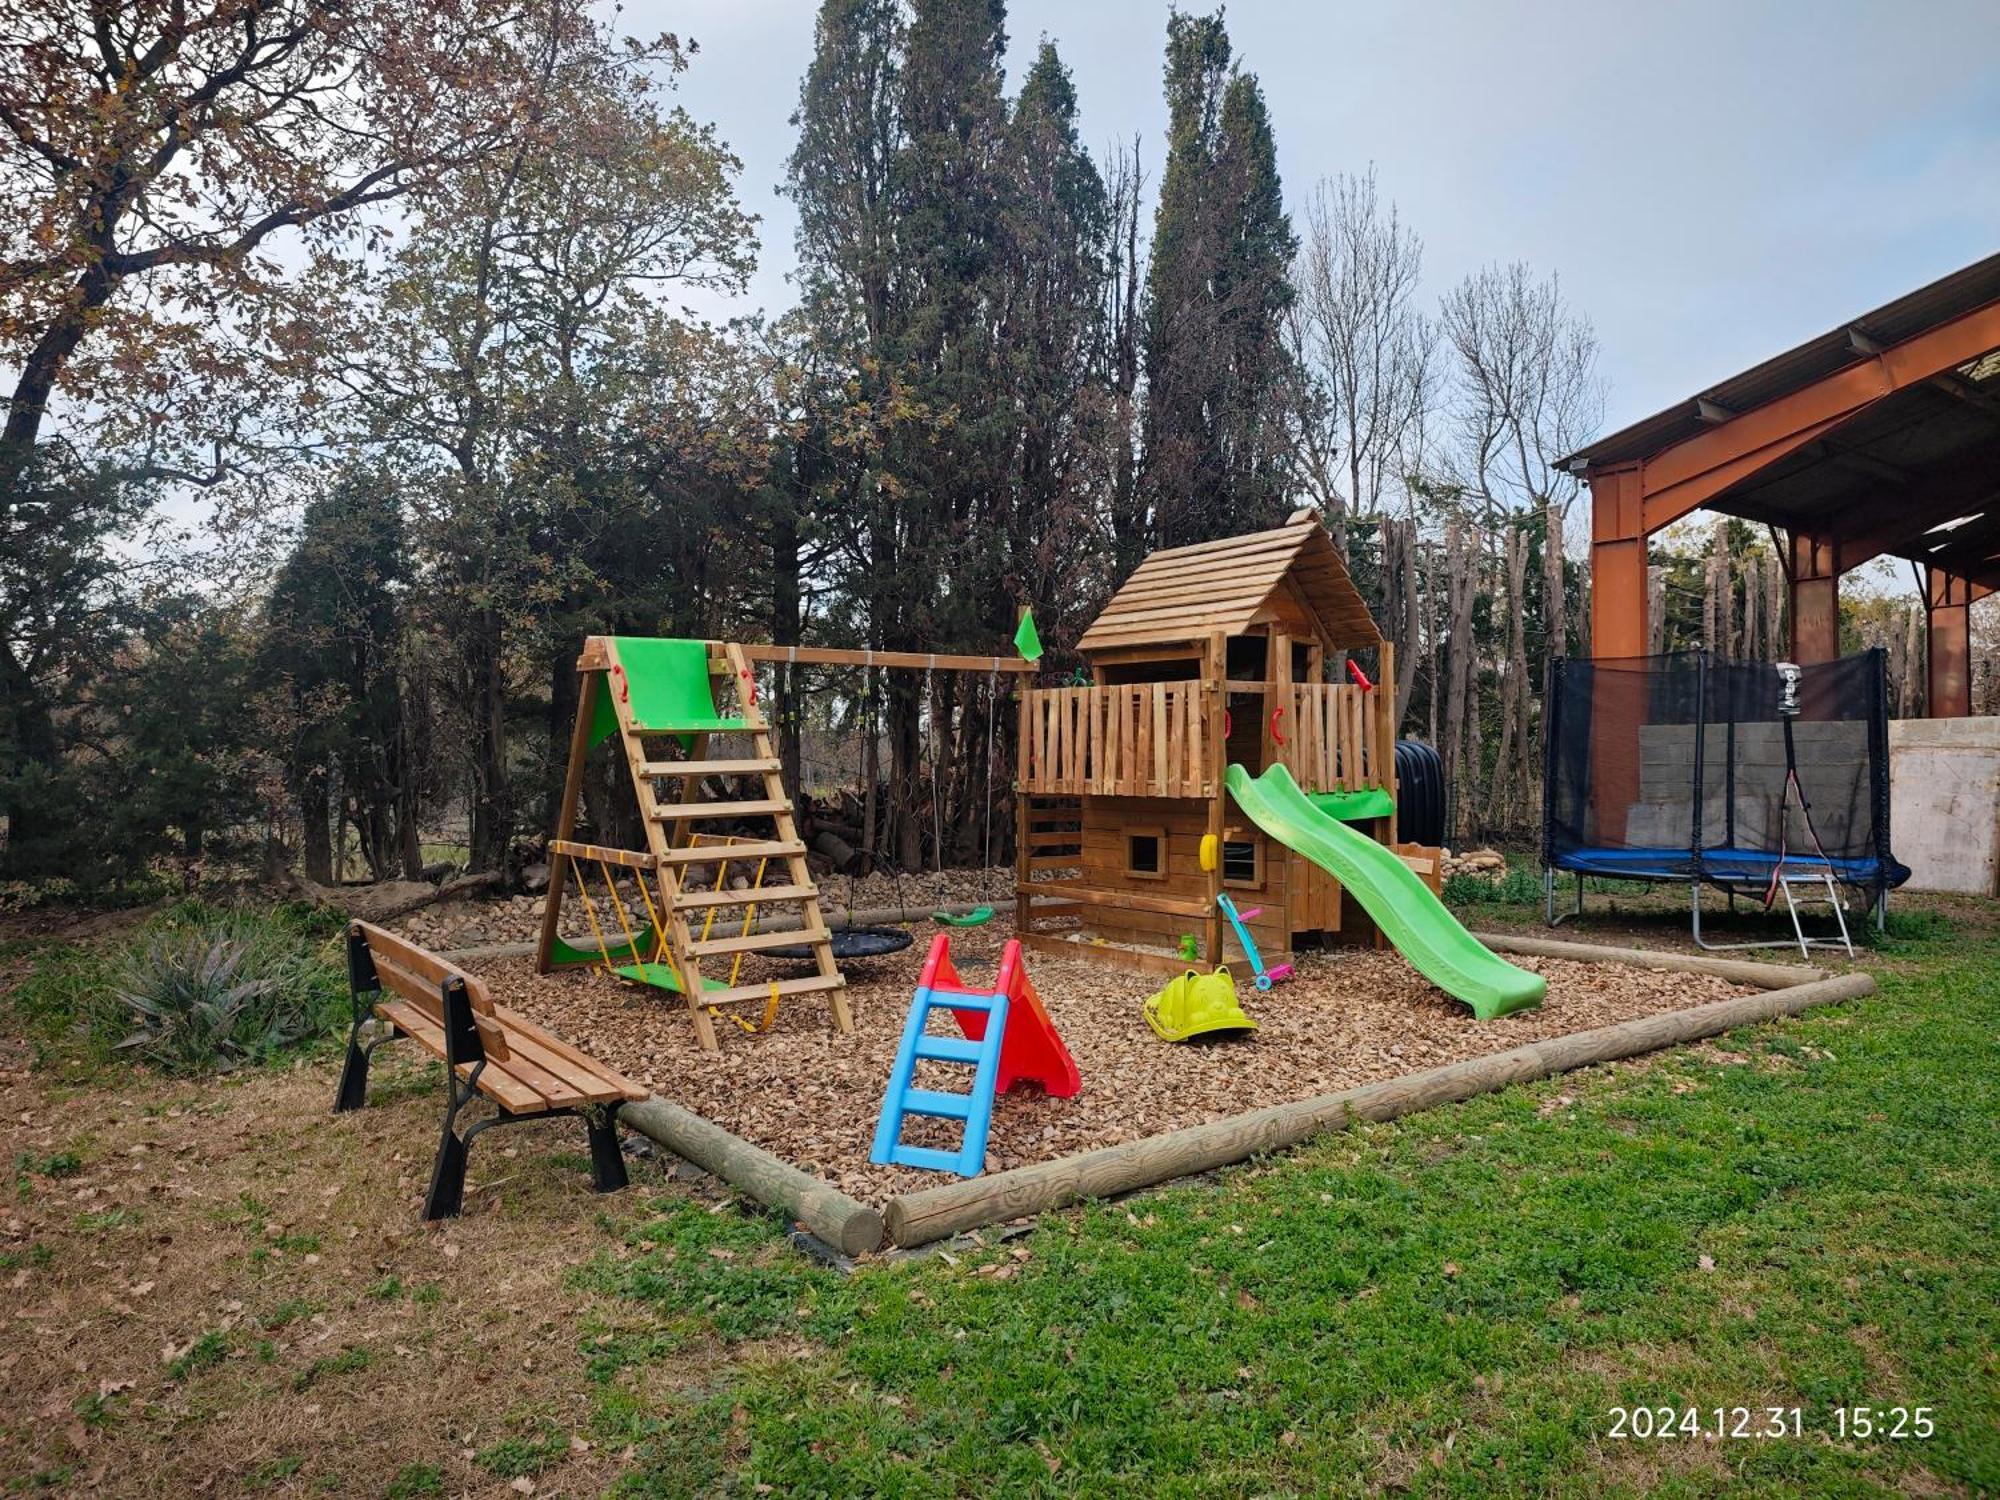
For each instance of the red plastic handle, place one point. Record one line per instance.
(1276, 733)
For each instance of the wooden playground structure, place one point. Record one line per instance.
(1210, 655)
(1130, 848)
(682, 712)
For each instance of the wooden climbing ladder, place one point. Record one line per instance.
(651, 693)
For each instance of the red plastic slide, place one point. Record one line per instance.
(1031, 1052)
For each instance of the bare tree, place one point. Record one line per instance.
(1365, 357)
(1530, 393)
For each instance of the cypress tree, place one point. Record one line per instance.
(1216, 291)
(1253, 290)
(1052, 322)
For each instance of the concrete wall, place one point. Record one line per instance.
(1944, 803)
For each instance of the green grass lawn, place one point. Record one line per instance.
(1796, 1216)
(1801, 1215)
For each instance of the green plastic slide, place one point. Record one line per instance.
(1402, 905)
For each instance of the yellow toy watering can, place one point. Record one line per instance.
(1196, 1004)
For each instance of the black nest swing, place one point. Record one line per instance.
(852, 942)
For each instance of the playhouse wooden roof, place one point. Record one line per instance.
(1186, 593)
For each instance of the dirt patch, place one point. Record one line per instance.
(812, 1096)
(223, 1288)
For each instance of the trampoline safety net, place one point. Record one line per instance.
(1691, 767)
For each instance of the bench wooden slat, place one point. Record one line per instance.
(423, 963)
(530, 1073)
(504, 1088)
(583, 1084)
(424, 995)
(602, 1082)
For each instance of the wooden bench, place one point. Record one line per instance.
(486, 1049)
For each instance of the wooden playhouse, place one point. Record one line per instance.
(1210, 654)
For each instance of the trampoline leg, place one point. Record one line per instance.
(1549, 898)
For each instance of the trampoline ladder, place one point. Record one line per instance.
(1823, 880)
(1816, 881)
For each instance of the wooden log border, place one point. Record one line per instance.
(918, 1218)
(850, 1226)
(1737, 970)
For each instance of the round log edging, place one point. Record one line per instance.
(837, 918)
(850, 1226)
(932, 1214)
(1737, 970)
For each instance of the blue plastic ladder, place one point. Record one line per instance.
(975, 1108)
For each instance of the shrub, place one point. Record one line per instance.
(198, 1005)
(195, 989)
(1518, 886)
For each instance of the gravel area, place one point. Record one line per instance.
(811, 1096)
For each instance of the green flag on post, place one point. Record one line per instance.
(1027, 640)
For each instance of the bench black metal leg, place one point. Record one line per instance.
(447, 1194)
(353, 1091)
(607, 1161)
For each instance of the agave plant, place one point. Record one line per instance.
(198, 1006)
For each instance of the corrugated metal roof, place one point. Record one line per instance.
(1186, 593)
(1944, 299)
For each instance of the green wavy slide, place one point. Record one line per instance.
(1389, 891)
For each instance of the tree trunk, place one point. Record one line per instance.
(1555, 606)
(1752, 634)
(787, 626)
(1461, 716)
(1506, 794)
(315, 839)
(1774, 609)
(30, 731)
(1915, 659)
(492, 798)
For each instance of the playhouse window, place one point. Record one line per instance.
(1146, 853)
(1242, 862)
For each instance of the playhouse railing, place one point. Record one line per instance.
(1147, 739)
(1335, 739)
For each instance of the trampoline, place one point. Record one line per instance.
(852, 942)
(1756, 778)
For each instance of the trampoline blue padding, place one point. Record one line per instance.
(1724, 866)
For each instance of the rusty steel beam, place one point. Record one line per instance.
(1948, 599)
(1700, 468)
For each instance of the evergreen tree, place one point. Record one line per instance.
(1052, 343)
(1253, 290)
(1216, 291)
(332, 637)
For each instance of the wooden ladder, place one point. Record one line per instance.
(672, 856)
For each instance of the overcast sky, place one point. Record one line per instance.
(1714, 182)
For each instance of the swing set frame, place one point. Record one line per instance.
(666, 954)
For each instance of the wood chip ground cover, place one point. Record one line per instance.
(812, 1096)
